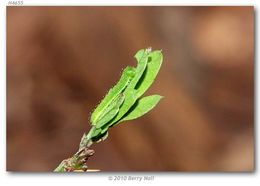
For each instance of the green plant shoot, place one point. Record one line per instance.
(123, 102)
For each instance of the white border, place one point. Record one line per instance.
(212, 179)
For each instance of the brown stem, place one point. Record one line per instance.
(78, 162)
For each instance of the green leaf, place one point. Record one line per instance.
(127, 75)
(142, 106)
(130, 92)
(96, 135)
(108, 114)
(111, 111)
(153, 66)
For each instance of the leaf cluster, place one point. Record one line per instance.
(123, 102)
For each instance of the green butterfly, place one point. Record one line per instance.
(123, 102)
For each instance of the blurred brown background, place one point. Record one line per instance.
(62, 60)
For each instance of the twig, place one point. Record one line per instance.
(78, 162)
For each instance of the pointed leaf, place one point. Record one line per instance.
(153, 66)
(130, 92)
(111, 111)
(142, 106)
(127, 74)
